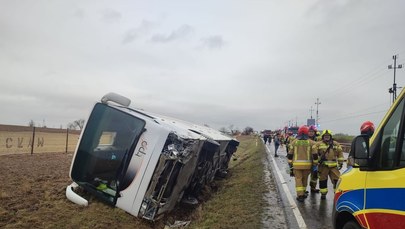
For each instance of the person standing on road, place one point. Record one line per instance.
(330, 162)
(314, 170)
(367, 128)
(269, 139)
(288, 141)
(265, 138)
(277, 142)
(300, 160)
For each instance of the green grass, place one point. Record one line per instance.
(238, 203)
(343, 138)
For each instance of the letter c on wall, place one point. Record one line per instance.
(9, 142)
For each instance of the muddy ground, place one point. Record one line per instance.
(32, 195)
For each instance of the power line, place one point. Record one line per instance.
(363, 79)
(366, 109)
(393, 90)
(355, 116)
(355, 83)
(317, 103)
(311, 110)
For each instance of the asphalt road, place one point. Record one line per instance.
(314, 213)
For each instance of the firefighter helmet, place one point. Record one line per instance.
(367, 127)
(303, 130)
(327, 132)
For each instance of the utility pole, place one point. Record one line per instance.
(317, 113)
(311, 110)
(393, 90)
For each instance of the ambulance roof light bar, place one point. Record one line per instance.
(116, 98)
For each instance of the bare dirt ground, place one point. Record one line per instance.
(32, 195)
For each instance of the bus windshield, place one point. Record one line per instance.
(108, 139)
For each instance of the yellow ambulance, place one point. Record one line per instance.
(371, 193)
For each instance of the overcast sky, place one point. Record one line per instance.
(243, 63)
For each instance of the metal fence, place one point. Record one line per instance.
(29, 140)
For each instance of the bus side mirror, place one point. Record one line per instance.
(360, 151)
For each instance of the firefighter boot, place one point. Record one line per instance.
(301, 198)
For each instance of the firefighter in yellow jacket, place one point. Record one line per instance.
(314, 170)
(288, 141)
(301, 159)
(330, 161)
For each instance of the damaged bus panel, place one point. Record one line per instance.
(145, 163)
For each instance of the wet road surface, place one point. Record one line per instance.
(314, 213)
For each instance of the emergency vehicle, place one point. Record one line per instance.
(371, 193)
(144, 163)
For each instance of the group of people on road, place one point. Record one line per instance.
(277, 138)
(321, 159)
(316, 156)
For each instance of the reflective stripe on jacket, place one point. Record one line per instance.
(302, 154)
(333, 157)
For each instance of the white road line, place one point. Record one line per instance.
(296, 211)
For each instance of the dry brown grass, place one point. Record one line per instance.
(32, 195)
(238, 203)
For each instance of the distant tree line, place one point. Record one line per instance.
(75, 125)
(231, 130)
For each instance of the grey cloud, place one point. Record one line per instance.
(137, 32)
(213, 42)
(180, 33)
(79, 13)
(110, 15)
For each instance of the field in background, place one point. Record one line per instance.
(343, 138)
(27, 140)
(32, 195)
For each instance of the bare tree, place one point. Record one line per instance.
(233, 130)
(236, 132)
(223, 130)
(71, 126)
(31, 123)
(230, 128)
(77, 124)
(248, 130)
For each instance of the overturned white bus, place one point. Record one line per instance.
(144, 163)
